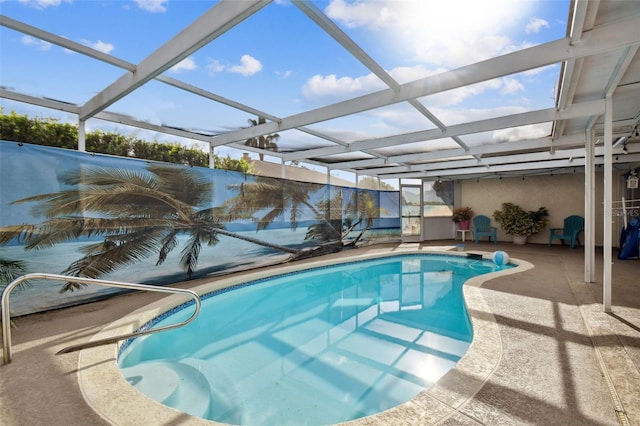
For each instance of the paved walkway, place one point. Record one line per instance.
(560, 359)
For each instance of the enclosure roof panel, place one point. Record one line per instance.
(412, 88)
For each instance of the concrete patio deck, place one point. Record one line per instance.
(561, 359)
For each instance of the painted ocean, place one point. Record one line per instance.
(229, 255)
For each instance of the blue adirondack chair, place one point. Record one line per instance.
(573, 225)
(482, 228)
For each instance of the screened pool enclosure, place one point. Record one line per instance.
(409, 93)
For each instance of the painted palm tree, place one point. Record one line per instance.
(274, 197)
(9, 271)
(360, 211)
(329, 223)
(136, 213)
(266, 142)
(267, 199)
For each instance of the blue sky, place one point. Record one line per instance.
(278, 61)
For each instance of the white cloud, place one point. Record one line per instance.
(448, 33)
(532, 131)
(187, 64)
(450, 116)
(248, 66)
(511, 86)
(99, 45)
(459, 95)
(215, 66)
(358, 14)
(42, 4)
(285, 75)
(38, 44)
(535, 25)
(333, 88)
(456, 52)
(406, 74)
(153, 6)
(401, 117)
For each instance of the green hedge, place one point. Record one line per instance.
(50, 132)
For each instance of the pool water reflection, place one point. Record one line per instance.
(316, 347)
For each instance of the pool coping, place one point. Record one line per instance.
(107, 392)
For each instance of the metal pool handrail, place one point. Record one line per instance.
(6, 316)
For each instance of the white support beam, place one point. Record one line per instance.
(600, 40)
(583, 109)
(128, 121)
(626, 57)
(486, 169)
(215, 22)
(33, 100)
(327, 25)
(82, 136)
(568, 85)
(589, 208)
(212, 96)
(212, 157)
(96, 54)
(506, 159)
(65, 43)
(459, 152)
(237, 105)
(608, 207)
(117, 118)
(552, 166)
(356, 51)
(621, 66)
(566, 154)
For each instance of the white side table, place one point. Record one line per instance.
(463, 232)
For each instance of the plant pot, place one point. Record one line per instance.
(520, 239)
(464, 225)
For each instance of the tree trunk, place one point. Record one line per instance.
(258, 242)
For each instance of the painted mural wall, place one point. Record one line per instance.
(81, 214)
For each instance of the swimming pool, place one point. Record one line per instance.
(318, 346)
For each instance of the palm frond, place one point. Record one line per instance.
(16, 232)
(185, 185)
(10, 270)
(216, 216)
(268, 218)
(101, 177)
(190, 254)
(114, 192)
(169, 242)
(293, 216)
(52, 232)
(108, 256)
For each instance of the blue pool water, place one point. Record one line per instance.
(316, 347)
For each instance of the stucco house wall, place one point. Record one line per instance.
(561, 194)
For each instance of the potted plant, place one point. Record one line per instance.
(520, 223)
(462, 216)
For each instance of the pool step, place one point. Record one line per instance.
(222, 391)
(176, 384)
